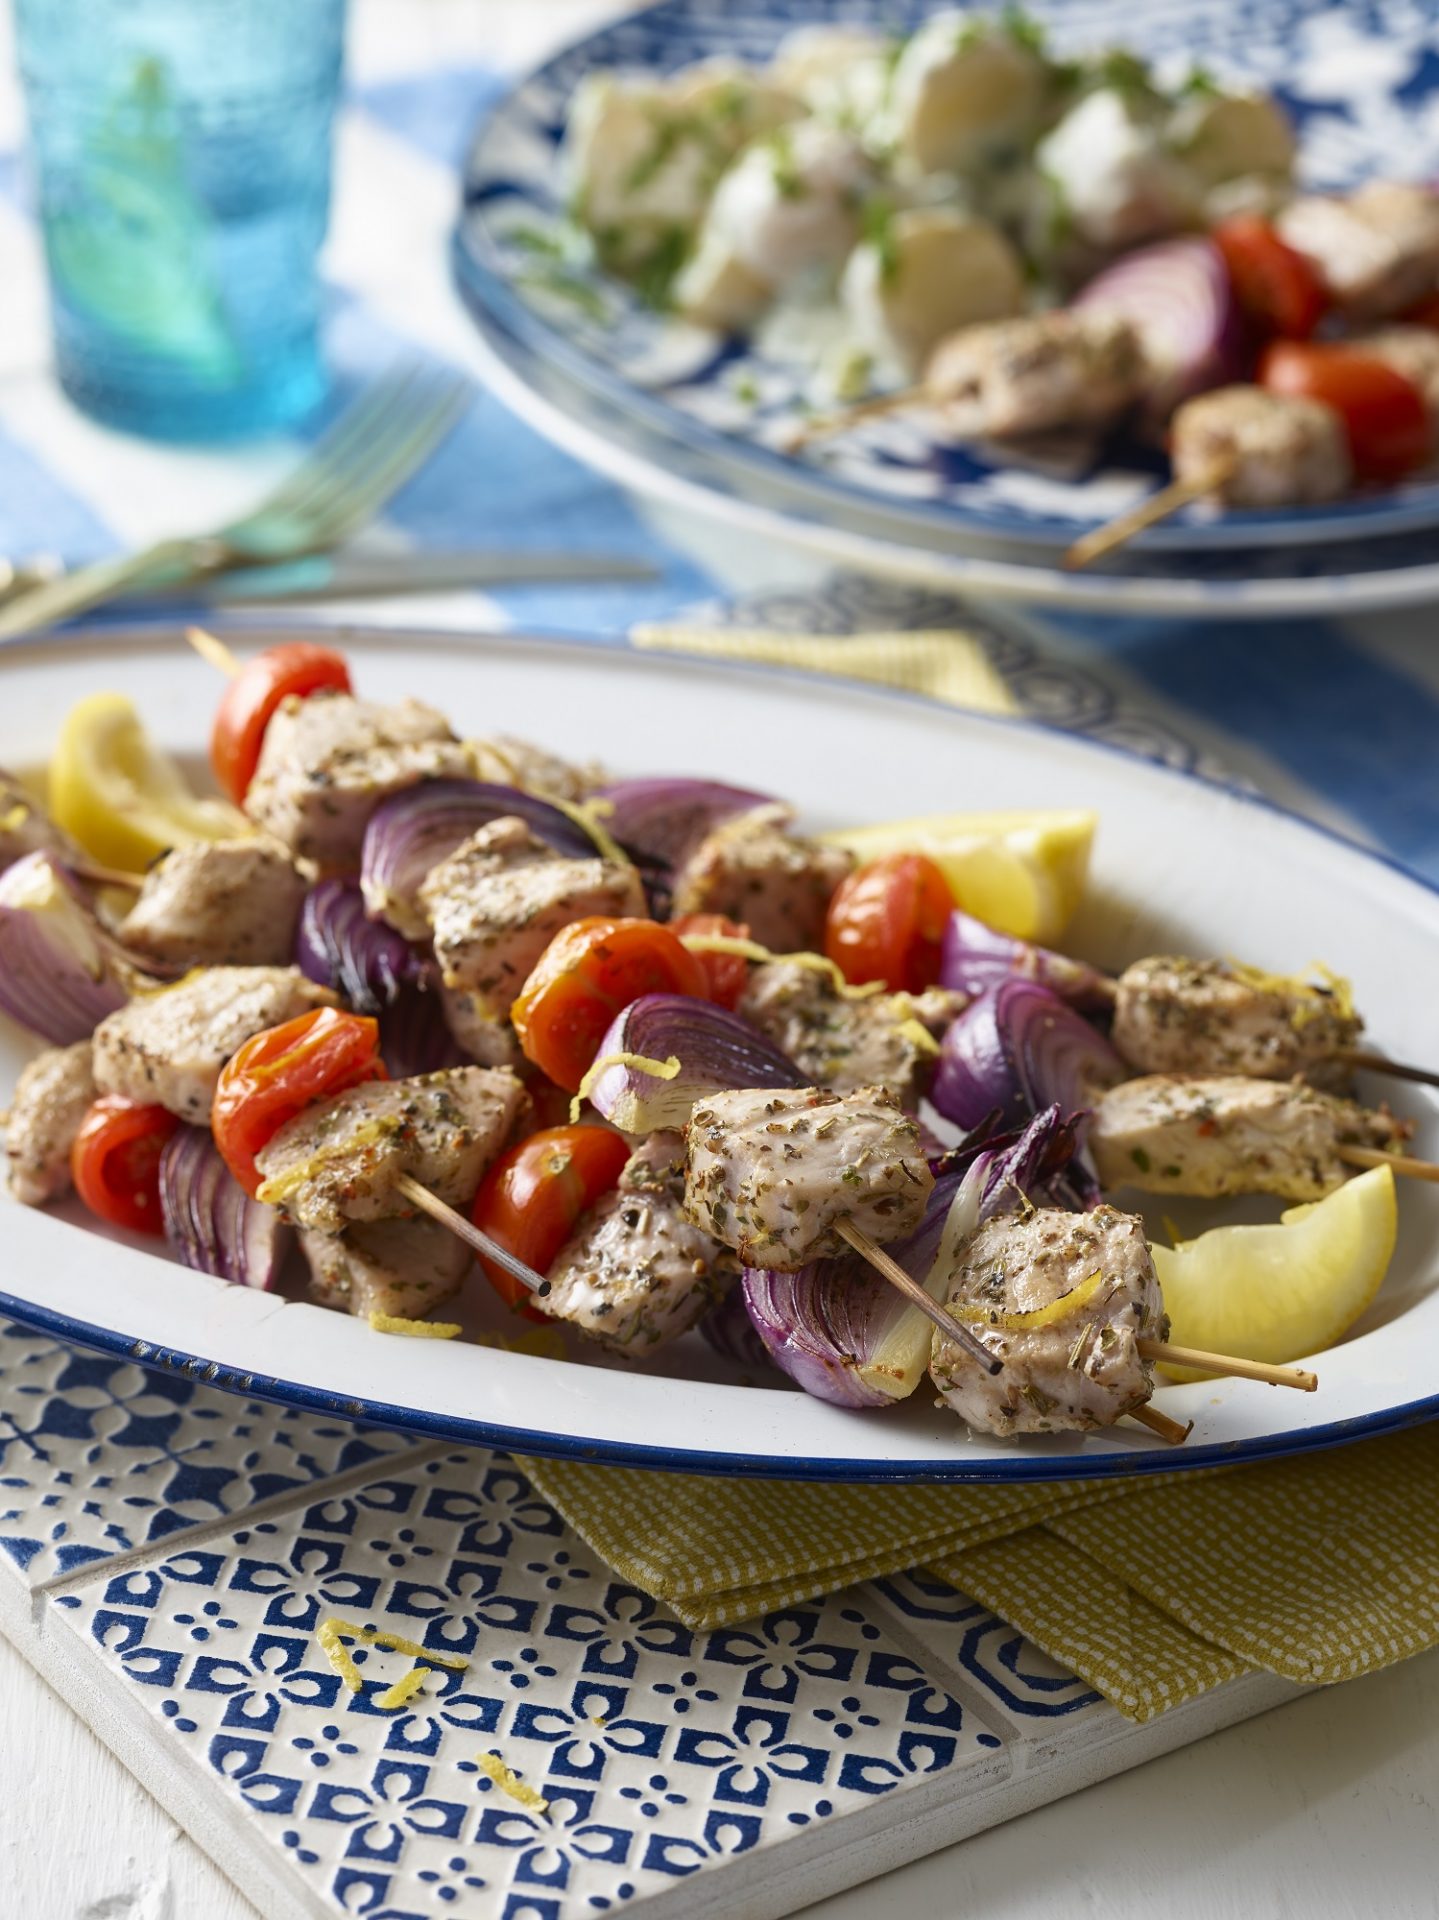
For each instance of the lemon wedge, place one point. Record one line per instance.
(1281, 1292)
(126, 802)
(1022, 873)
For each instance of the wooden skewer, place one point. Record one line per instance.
(847, 417)
(1159, 506)
(889, 1269)
(1231, 1363)
(448, 1216)
(106, 876)
(1403, 1164)
(210, 647)
(1160, 1423)
(1379, 1063)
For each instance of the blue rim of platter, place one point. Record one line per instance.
(1316, 56)
(481, 1433)
(1217, 583)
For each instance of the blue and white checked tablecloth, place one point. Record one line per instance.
(1343, 721)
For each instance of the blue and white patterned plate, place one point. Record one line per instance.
(1360, 79)
(1181, 865)
(1344, 577)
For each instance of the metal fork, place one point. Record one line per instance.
(346, 477)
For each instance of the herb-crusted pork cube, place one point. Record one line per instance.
(773, 1173)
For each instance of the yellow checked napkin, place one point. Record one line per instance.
(1152, 1589)
(944, 665)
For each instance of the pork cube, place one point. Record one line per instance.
(1377, 251)
(170, 1046)
(1035, 374)
(213, 903)
(400, 1267)
(773, 1173)
(507, 761)
(775, 883)
(499, 899)
(341, 1160)
(1174, 1015)
(1264, 449)
(52, 1097)
(843, 1044)
(1063, 1300)
(636, 1273)
(1168, 1134)
(327, 763)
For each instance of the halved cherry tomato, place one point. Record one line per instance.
(249, 701)
(1384, 414)
(585, 976)
(1275, 285)
(532, 1196)
(886, 922)
(115, 1162)
(281, 1072)
(725, 973)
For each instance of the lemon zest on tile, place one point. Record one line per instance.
(332, 1633)
(509, 1782)
(414, 1329)
(404, 1689)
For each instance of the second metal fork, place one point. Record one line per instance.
(346, 477)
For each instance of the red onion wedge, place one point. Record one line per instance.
(660, 822)
(975, 958)
(415, 830)
(1019, 1049)
(837, 1330)
(210, 1221)
(1178, 298)
(714, 1051)
(59, 969)
(338, 946)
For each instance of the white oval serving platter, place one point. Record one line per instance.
(1180, 865)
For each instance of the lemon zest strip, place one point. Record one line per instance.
(1021, 1322)
(276, 1190)
(414, 1329)
(508, 1781)
(404, 1689)
(332, 1633)
(640, 1062)
(752, 950)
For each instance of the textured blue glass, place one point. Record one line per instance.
(182, 158)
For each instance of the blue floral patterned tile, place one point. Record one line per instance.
(973, 1650)
(661, 1752)
(98, 1456)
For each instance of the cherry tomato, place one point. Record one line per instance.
(725, 973)
(584, 977)
(1384, 414)
(1275, 285)
(281, 1072)
(532, 1196)
(886, 922)
(249, 702)
(115, 1162)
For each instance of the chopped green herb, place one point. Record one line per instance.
(1141, 1159)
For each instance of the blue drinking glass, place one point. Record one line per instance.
(182, 158)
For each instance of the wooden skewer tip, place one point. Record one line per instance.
(846, 417)
(1174, 1431)
(1166, 1354)
(1124, 527)
(1403, 1164)
(210, 647)
(420, 1196)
